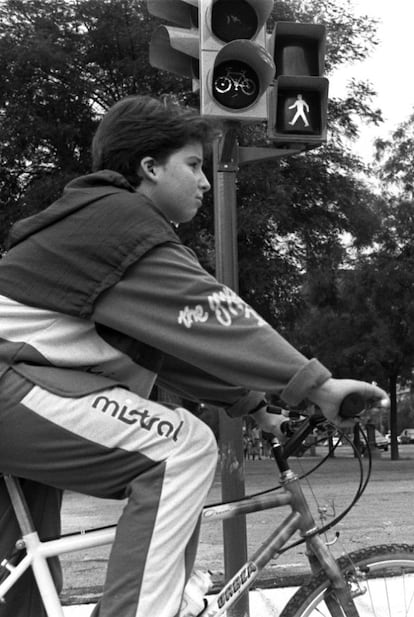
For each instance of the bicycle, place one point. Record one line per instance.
(370, 582)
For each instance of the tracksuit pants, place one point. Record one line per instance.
(109, 444)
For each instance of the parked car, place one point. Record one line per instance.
(406, 435)
(381, 442)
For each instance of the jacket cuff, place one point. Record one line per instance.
(312, 375)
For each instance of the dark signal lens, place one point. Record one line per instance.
(298, 56)
(233, 19)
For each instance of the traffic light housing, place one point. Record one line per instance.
(298, 99)
(222, 44)
(176, 49)
(236, 67)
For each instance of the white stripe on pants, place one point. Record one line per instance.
(172, 441)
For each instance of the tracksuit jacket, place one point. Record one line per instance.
(97, 293)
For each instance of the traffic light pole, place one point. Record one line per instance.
(225, 157)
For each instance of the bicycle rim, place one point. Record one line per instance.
(381, 579)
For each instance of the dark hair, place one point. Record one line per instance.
(139, 126)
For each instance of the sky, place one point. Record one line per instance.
(390, 67)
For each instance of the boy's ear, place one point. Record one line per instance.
(147, 168)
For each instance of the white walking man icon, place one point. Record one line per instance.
(302, 108)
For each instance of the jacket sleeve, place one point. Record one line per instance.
(190, 382)
(167, 300)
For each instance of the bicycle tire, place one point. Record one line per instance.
(248, 87)
(381, 578)
(223, 84)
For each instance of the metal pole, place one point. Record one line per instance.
(231, 433)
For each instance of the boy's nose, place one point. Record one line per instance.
(205, 184)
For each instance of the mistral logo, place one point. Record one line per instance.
(144, 418)
(224, 305)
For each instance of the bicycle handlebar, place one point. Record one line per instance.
(351, 406)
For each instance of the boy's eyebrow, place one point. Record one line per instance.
(200, 159)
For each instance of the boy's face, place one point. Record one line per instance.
(178, 184)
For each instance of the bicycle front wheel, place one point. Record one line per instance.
(381, 579)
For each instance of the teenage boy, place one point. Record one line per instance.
(99, 300)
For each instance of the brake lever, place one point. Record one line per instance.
(300, 434)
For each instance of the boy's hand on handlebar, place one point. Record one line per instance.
(332, 393)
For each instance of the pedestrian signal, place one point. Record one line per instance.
(298, 100)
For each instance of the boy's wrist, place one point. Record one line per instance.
(263, 404)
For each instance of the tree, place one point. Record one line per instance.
(61, 65)
(46, 118)
(369, 332)
(395, 158)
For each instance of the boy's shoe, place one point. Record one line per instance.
(194, 602)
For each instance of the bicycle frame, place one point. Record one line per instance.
(299, 519)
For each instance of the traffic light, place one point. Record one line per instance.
(298, 99)
(236, 67)
(222, 44)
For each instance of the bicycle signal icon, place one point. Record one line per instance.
(235, 85)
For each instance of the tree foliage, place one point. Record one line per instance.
(373, 317)
(368, 332)
(61, 65)
(395, 158)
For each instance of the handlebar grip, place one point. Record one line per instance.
(352, 405)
